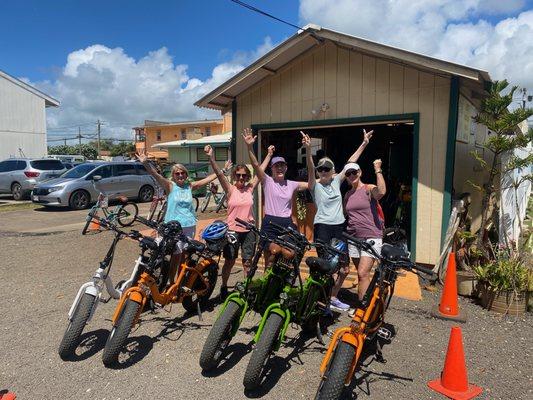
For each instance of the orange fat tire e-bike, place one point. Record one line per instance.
(192, 287)
(344, 351)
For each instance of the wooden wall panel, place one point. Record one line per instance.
(318, 80)
(265, 103)
(382, 87)
(356, 84)
(275, 98)
(330, 81)
(296, 91)
(286, 95)
(343, 83)
(369, 86)
(307, 87)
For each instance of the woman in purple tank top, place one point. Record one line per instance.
(360, 205)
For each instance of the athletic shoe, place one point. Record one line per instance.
(351, 313)
(338, 305)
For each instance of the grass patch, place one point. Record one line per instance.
(18, 207)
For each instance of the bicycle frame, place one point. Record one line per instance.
(181, 288)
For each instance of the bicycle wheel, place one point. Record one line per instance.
(332, 383)
(219, 337)
(265, 346)
(153, 209)
(210, 274)
(205, 202)
(88, 219)
(127, 213)
(71, 337)
(196, 203)
(119, 333)
(223, 203)
(161, 213)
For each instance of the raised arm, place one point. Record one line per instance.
(218, 172)
(355, 156)
(311, 180)
(380, 189)
(249, 139)
(264, 164)
(210, 178)
(164, 182)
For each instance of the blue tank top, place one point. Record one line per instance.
(179, 206)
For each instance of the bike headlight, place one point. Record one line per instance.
(283, 297)
(54, 189)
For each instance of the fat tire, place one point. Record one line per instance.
(122, 214)
(71, 337)
(205, 203)
(261, 353)
(212, 274)
(118, 335)
(332, 384)
(220, 331)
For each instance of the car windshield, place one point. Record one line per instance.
(47, 165)
(79, 171)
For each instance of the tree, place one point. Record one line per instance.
(122, 149)
(505, 136)
(86, 150)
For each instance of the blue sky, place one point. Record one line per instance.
(36, 36)
(127, 61)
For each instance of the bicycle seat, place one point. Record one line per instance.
(195, 246)
(393, 253)
(275, 249)
(317, 264)
(148, 242)
(122, 199)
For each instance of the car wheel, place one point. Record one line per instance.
(146, 194)
(79, 200)
(16, 191)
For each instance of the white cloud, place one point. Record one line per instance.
(99, 82)
(454, 30)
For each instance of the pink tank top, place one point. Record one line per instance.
(240, 205)
(363, 221)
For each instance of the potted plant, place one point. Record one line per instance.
(505, 283)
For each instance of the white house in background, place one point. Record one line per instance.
(22, 118)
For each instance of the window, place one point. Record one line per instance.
(125, 169)
(104, 171)
(3, 166)
(9, 166)
(183, 134)
(208, 131)
(158, 135)
(47, 165)
(141, 170)
(221, 153)
(200, 154)
(21, 165)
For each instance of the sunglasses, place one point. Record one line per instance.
(323, 169)
(180, 173)
(351, 172)
(244, 176)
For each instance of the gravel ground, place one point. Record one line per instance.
(45, 271)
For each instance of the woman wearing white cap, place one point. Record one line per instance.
(364, 222)
(329, 219)
(277, 190)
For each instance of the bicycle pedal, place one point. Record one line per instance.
(384, 333)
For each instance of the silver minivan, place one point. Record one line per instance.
(19, 176)
(76, 189)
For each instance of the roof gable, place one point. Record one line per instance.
(49, 101)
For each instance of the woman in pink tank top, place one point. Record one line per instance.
(240, 205)
(360, 205)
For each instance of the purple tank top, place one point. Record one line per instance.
(363, 221)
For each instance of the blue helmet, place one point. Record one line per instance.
(215, 231)
(339, 245)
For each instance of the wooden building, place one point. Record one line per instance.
(333, 85)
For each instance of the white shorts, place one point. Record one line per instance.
(356, 253)
(188, 231)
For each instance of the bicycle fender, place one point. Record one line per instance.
(92, 290)
(338, 335)
(277, 309)
(133, 293)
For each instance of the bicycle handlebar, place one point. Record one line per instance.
(362, 244)
(147, 222)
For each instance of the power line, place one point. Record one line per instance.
(257, 10)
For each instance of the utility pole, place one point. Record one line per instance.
(98, 123)
(65, 140)
(79, 138)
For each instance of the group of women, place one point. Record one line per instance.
(357, 213)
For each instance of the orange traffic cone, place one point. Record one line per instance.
(453, 382)
(449, 307)
(5, 395)
(94, 225)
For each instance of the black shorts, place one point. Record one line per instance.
(270, 230)
(246, 241)
(325, 232)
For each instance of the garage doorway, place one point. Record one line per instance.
(393, 142)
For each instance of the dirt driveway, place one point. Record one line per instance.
(44, 260)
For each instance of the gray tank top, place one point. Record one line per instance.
(363, 221)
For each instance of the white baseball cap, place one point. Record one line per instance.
(350, 166)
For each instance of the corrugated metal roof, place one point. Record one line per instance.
(312, 36)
